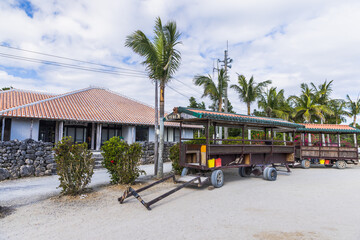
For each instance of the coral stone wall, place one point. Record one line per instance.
(26, 158)
(148, 152)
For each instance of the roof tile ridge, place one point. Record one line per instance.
(27, 91)
(45, 100)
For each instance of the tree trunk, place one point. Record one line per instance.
(156, 127)
(160, 172)
(248, 108)
(354, 120)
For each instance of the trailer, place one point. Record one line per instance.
(210, 155)
(326, 144)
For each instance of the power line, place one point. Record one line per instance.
(72, 59)
(59, 64)
(178, 92)
(187, 85)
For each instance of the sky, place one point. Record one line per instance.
(288, 42)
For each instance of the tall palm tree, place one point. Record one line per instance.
(215, 92)
(307, 107)
(338, 107)
(323, 91)
(249, 91)
(161, 61)
(273, 103)
(354, 108)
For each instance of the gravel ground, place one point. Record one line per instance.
(25, 191)
(317, 203)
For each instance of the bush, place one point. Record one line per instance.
(122, 160)
(174, 157)
(75, 165)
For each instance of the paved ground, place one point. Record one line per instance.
(29, 190)
(317, 203)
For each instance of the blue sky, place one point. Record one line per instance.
(289, 42)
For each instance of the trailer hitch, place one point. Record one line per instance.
(132, 192)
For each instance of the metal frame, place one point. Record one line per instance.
(132, 192)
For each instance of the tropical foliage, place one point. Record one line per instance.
(162, 60)
(212, 90)
(249, 91)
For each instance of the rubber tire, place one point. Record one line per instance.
(340, 164)
(265, 173)
(243, 171)
(305, 164)
(329, 165)
(271, 174)
(217, 178)
(184, 172)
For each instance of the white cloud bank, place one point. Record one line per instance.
(288, 42)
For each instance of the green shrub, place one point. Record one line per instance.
(174, 157)
(122, 160)
(75, 165)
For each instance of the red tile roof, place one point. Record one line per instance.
(328, 128)
(14, 98)
(89, 105)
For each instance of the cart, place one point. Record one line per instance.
(326, 144)
(210, 155)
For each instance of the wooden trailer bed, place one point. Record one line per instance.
(316, 147)
(250, 156)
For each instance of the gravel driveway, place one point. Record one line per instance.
(29, 190)
(317, 203)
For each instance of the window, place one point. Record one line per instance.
(108, 131)
(47, 131)
(77, 133)
(142, 134)
(176, 135)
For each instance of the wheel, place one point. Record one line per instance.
(245, 171)
(217, 178)
(305, 164)
(184, 172)
(340, 164)
(329, 165)
(265, 173)
(271, 174)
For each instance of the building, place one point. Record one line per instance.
(92, 115)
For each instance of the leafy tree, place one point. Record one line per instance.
(338, 107)
(354, 108)
(162, 60)
(307, 106)
(249, 91)
(273, 104)
(194, 104)
(215, 92)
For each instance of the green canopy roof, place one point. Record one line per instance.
(231, 117)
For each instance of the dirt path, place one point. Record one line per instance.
(317, 203)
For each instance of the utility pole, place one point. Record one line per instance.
(226, 65)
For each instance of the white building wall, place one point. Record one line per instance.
(129, 133)
(20, 129)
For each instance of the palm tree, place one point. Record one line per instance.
(161, 61)
(307, 106)
(354, 108)
(323, 92)
(273, 103)
(215, 92)
(249, 91)
(337, 106)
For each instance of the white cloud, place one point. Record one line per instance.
(287, 41)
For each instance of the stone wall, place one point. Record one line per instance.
(148, 152)
(26, 158)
